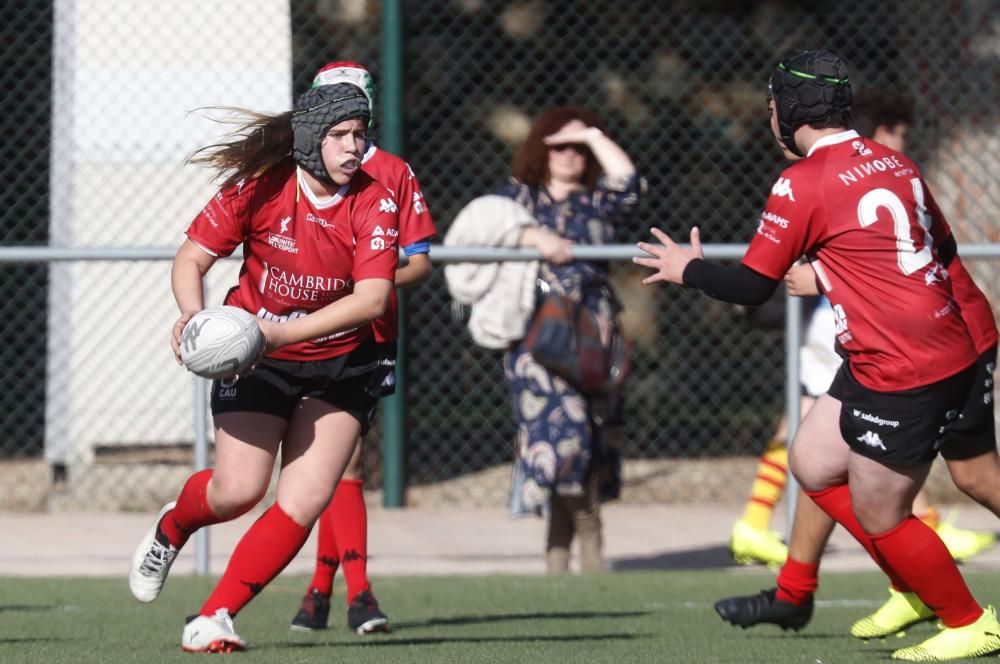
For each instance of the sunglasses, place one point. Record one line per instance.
(579, 148)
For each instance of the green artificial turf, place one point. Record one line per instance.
(612, 617)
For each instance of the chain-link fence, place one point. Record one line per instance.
(98, 98)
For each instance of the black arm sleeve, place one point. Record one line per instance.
(947, 251)
(737, 284)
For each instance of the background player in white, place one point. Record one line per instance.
(343, 526)
(316, 273)
(880, 246)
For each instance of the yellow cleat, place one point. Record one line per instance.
(750, 545)
(899, 612)
(980, 638)
(963, 544)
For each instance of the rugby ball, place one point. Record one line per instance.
(219, 342)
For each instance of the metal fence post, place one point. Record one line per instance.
(793, 341)
(202, 551)
(391, 137)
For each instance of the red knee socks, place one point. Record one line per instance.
(327, 557)
(191, 511)
(263, 551)
(343, 539)
(921, 559)
(836, 501)
(349, 519)
(797, 581)
(912, 556)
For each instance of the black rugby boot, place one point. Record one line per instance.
(764, 607)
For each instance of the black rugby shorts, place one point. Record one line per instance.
(974, 432)
(904, 428)
(350, 382)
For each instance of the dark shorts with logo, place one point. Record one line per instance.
(351, 382)
(974, 432)
(905, 428)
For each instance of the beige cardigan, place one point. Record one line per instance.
(502, 294)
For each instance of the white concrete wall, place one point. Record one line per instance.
(126, 77)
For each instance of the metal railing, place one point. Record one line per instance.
(394, 435)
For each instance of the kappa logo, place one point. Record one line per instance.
(284, 224)
(387, 205)
(783, 187)
(937, 273)
(871, 439)
(253, 586)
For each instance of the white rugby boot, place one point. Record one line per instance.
(213, 633)
(151, 562)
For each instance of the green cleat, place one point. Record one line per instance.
(964, 544)
(750, 545)
(976, 640)
(900, 611)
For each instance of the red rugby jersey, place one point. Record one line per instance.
(415, 223)
(300, 254)
(976, 311)
(865, 219)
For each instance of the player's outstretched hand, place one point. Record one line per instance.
(669, 258)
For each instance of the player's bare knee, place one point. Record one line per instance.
(875, 515)
(232, 498)
(304, 507)
(809, 473)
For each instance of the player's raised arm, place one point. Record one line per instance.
(673, 263)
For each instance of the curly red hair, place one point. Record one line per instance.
(531, 162)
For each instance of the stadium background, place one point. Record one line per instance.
(94, 416)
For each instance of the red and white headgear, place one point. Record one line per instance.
(345, 71)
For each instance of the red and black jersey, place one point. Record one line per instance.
(415, 223)
(862, 214)
(299, 253)
(976, 311)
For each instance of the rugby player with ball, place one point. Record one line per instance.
(320, 255)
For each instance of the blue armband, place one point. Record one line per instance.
(417, 248)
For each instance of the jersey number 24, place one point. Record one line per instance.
(909, 258)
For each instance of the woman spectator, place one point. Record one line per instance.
(578, 184)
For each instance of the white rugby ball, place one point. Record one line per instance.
(219, 342)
